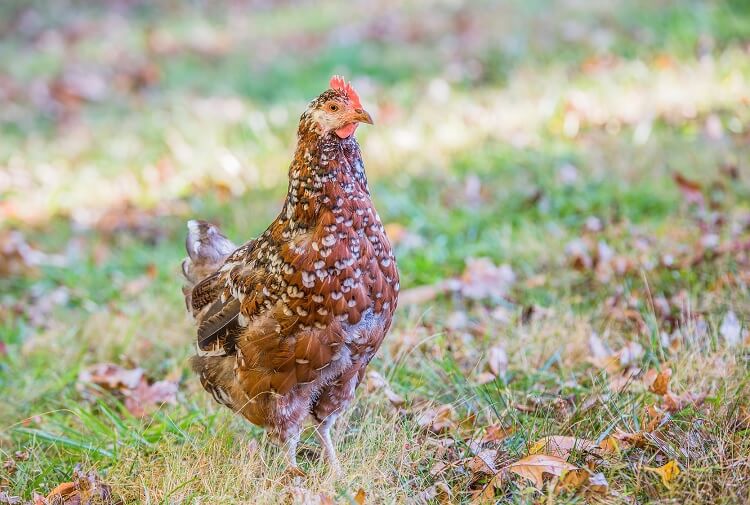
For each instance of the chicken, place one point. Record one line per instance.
(288, 322)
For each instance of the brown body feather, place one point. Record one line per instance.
(288, 322)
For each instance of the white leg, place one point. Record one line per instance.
(324, 436)
(290, 453)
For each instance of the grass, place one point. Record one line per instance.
(507, 130)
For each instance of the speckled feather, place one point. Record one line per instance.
(289, 321)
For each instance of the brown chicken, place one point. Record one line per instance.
(288, 322)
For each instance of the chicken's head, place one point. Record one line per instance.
(338, 109)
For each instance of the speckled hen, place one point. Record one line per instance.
(288, 322)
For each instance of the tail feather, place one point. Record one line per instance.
(207, 248)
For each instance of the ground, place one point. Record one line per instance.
(566, 184)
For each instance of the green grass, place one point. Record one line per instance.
(503, 130)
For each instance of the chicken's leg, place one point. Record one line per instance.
(323, 431)
(290, 454)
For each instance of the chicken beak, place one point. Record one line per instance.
(362, 116)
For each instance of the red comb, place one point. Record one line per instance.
(338, 82)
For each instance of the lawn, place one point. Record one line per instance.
(567, 185)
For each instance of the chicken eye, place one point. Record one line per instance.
(333, 107)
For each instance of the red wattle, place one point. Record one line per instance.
(346, 131)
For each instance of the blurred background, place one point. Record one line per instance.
(577, 143)
(118, 115)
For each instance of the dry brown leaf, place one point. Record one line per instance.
(141, 397)
(483, 279)
(573, 480)
(667, 472)
(439, 491)
(656, 417)
(534, 466)
(483, 462)
(85, 489)
(660, 385)
(110, 376)
(486, 494)
(497, 433)
(635, 439)
(437, 419)
(562, 446)
(675, 403)
(438, 468)
(145, 398)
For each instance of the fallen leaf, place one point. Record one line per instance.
(598, 484)
(635, 439)
(667, 472)
(141, 396)
(534, 466)
(483, 462)
(438, 491)
(497, 433)
(85, 489)
(562, 446)
(675, 403)
(483, 279)
(660, 385)
(610, 444)
(359, 498)
(110, 376)
(573, 480)
(147, 397)
(656, 416)
(437, 419)
(486, 494)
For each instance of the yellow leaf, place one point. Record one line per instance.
(573, 480)
(562, 446)
(667, 472)
(610, 444)
(660, 386)
(534, 467)
(359, 498)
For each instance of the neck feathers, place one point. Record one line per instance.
(325, 171)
